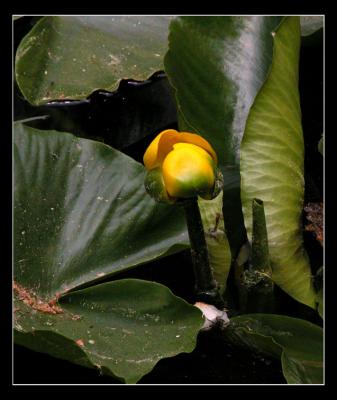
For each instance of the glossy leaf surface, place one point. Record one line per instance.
(123, 328)
(81, 213)
(299, 343)
(68, 57)
(216, 65)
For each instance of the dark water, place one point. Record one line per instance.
(212, 362)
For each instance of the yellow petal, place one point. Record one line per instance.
(163, 144)
(192, 147)
(188, 170)
(151, 154)
(199, 141)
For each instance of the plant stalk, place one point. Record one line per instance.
(206, 287)
(258, 287)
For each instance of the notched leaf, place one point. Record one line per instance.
(102, 52)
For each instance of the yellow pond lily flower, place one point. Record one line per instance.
(181, 165)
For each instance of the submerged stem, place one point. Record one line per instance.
(205, 285)
(257, 291)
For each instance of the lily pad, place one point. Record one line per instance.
(81, 213)
(297, 342)
(68, 57)
(123, 328)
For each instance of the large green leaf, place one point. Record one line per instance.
(272, 158)
(81, 213)
(68, 57)
(299, 343)
(216, 65)
(123, 328)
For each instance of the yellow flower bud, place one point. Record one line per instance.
(163, 144)
(181, 165)
(188, 170)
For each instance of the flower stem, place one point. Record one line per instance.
(205, 285)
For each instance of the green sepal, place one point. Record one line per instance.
(155, 186)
